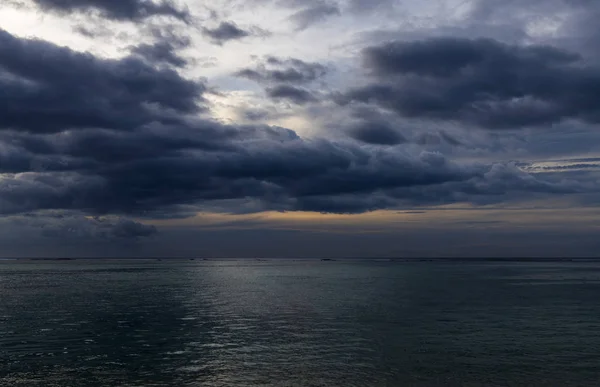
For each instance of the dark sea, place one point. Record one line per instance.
(299, 323)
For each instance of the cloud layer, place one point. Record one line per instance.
(190, 113)
(126, 142)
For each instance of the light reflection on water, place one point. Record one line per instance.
(307, 323)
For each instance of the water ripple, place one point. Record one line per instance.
(298, 324)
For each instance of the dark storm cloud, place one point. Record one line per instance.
(47, 88)
(106, 137)
(134, 10)
(315, 13)
(290, 93)
(229, 31)
(83, 149)
(433, 138)
(481, 82)
(267, 164)
(290, 70)
(438, 58)
(376, 132)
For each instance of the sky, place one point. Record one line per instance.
(299, 128)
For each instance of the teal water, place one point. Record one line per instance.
(304, 323)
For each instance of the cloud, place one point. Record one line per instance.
(293, 94)
(162, 52)
(283, 77)
(480, 82)
(47, 89)
(269, 165)
(361, 6)
(229, 31)
(313, 14)
(123, 137)
(577, 164)
(132, 10)
(290, 70)
(376, 133)
(94, 31)
(310, 12)
(255, 114)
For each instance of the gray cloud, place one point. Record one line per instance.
(314, 13)
(376, 132)
(74, 90)
(225, 31)
(133, 10)
(290, 70)
(297, 95)
(284, 77)
(481, 82)
(162, 52)
(310, 12)
(94, 31)
(255, 114)
(228, 31)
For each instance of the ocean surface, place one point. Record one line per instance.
(299, 323)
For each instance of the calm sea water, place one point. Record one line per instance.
(305, 323)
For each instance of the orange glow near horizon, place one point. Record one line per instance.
(462, 216)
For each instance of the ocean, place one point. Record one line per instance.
(299, 323)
